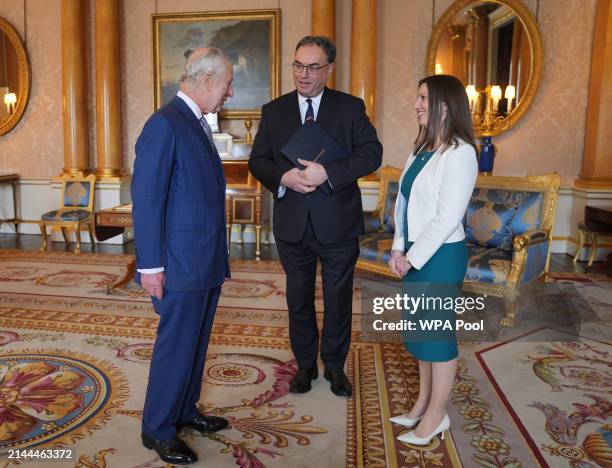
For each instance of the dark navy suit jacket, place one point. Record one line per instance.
(178, 196)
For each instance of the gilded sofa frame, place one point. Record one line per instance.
(387, 174)
(548, 184)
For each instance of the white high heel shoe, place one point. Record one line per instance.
(410, 438)
(404, 420)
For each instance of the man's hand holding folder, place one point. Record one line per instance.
(309, 149)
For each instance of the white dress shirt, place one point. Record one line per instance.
(316, 103)
(198, 113)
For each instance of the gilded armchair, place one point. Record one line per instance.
(75, 212)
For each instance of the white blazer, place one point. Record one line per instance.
(438, 200)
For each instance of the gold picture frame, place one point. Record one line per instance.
(251, 38)
(533, 43)
(13, 47)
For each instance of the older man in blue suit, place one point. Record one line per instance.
(178, 194)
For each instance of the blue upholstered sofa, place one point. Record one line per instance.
(508, 227)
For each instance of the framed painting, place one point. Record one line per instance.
(249, 37)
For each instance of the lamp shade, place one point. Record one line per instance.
(10, 98)
(496, 92)
(471, 91)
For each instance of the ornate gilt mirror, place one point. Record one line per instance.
(494, 47)
(14, 77)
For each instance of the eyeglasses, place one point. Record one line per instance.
(311, 69)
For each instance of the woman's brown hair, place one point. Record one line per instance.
(446, 89)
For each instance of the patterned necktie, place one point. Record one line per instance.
(207, 130)
(309, 111)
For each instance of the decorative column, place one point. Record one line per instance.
(108, 105)
(480, 41)
(596, 170)
(458, 68)
(324, 24)
(363, 54)
(74, 85)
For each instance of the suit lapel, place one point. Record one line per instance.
(325, 116)
(192, 120)
(291, 108)
(184, 109)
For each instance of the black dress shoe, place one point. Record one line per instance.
(300, 383)
(340, 384)
(205, 424)
(173, 451)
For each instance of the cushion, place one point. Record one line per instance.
(376, 246)
(489, 224)
(372, 223)
(529, 213)
(77, 194)
(528, 206)
(65, 215)
(488, 265)
(388, 209)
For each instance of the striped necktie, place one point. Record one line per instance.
(207, 130)
(309, 112)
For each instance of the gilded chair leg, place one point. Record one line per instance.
(92, 237)
(593, 248)
(228, 232)
(511, 311)
(65, 234)
(43, 235)
(580, 245)
(77, 233)
(257, 241)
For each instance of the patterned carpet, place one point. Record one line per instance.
(74, 361)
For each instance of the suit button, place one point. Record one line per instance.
(307, 195)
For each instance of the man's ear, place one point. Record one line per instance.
(207, 80)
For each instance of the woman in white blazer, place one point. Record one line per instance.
(429, 249)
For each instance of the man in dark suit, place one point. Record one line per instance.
(178, 194)
(311, 223)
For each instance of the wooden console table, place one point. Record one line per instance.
(12, 179)
(110, 223)
(242, 198)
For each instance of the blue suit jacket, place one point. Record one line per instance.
(178, 196)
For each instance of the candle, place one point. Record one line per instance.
(510, 94)
(10, 99)
(496, 96)
(472, 96)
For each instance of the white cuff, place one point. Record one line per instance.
(281, 191)
(150, 271)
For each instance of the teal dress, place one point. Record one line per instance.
(441, 277)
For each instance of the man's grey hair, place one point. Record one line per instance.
(211, 62)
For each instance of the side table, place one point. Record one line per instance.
(12, 179)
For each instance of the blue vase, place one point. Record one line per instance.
(487, 155)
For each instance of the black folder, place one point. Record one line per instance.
(312, 143)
